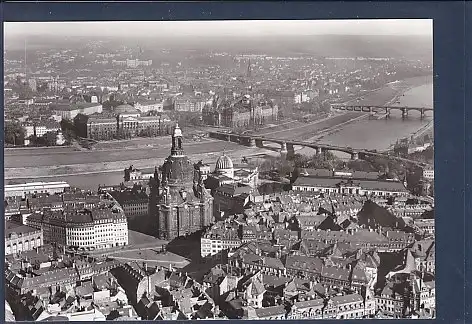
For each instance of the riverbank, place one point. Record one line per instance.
(336, 128)
(106, 164)
(380, 134)
(398, 94)
(110, 167)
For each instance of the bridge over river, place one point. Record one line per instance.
(386, 109)
(287, 147)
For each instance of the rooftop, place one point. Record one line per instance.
(12, 228)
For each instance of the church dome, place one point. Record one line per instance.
(223, 163)
(178, 169)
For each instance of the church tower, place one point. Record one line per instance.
(176, 205)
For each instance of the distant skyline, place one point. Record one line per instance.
(248, 28)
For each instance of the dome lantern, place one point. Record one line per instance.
(177, 148)
(177, 131)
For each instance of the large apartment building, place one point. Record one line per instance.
(82, 229)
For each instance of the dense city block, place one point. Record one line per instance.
(194, 179)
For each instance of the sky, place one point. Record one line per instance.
(423, 27)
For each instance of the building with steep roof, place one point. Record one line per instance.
(424, 255)
(134, 201)
(277, 312)
(353, 183)
(179, 204)
(423, 292)
(264, 264)
(231, 199)
(303, 266)
(84, 229)
(307, 309)
(391, 301)
(219, 237)
(347, 306)
(425, 227)
(255, 290)
(19, 238)
(243, 111)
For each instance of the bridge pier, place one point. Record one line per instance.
(283, 150)
(422, 113)
(404, 112)
(387, 113)
(259, 143)
(252, 142)
(319, 150)
(354, 156)
(290, 150)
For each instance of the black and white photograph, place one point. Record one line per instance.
(219, 169)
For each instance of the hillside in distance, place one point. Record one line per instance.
(409, 47)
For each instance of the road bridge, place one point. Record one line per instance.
(382, 109)
(287, 146)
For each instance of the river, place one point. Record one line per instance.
(367, 133)
(380, 134)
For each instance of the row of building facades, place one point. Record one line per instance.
(328, 242)
(77, 220)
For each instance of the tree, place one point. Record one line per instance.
(37, 141)
(50, 138)
(360, 165)
(80, 123)
(284, 167)
(68, 136)
(14, 133)
(66, 124)
(300, 160)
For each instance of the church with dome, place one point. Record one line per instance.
(227, 173)
(179, 203)
(232, 186)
